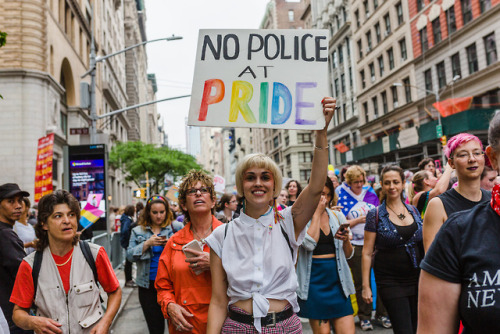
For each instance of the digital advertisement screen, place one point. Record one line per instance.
(87, 182)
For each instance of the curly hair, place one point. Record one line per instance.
(191, 178)
(145, 217)
(297, 183)
(46, 209)
(353, 172)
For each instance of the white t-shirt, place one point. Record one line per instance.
(257, 260)
(26, 233)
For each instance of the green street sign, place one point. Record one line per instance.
(439, 131)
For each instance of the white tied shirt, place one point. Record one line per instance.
(257, 260)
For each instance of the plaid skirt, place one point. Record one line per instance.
(291, 325)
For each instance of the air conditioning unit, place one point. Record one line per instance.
(368, 15)
(373, 79)
(387, 33)
(396, 104)
(403, 60)
(368, 50)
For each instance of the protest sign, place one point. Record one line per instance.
(260, 79)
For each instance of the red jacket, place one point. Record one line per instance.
(176, 282)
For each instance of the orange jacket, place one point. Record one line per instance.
(176, 282)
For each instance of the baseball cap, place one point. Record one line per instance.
(9, 190)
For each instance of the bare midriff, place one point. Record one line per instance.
(323, 256)
(275, 305)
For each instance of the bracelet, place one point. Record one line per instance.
(322, 148)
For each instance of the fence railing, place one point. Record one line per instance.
(111, 244)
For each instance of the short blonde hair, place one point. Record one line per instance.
(353, 173)
(258, 160)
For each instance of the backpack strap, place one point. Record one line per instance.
(87, 254)
(35, 270)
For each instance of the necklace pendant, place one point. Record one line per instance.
(401, 216)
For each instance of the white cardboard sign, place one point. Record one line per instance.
(260, 79)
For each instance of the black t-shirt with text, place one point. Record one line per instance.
(466, 250)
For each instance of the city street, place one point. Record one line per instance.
(131, 319)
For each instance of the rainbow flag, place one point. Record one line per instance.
(89, 215)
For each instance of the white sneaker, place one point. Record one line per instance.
(366, 325)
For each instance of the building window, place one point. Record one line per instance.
(372, 71)
(277, 157)
(424, 44)
(362, 76)
(287, 139)
(384, 102)
(375, 4)
(402, 47)
(381, 65)
(436, 30)
(369, 41)
(399, 11)
(428, 80)
(347, 45)
(276, 142)
(64, 123)
(367, 9)
(350, 77)
(394, 91)
(304, 138)
(305, 156)
(341, 55)
(290, 16)
(455, 65)
(420, 5)
(305, 174)
(336, 87)
(342, 82)
(490, 49)
(472, 58)
(288, 160)
(360, 49)
(334, 59)
(390, 55)
(484, 5)
(387, 20)
(356, 15)
(375, 107)
(365, 111)
(407, 86)
(466, 10)
(377, 32)
(441, 73)
(344, 112)
(451, 20)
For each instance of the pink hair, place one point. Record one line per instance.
(455, 141)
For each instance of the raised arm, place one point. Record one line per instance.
(306, 203)
(443, 183)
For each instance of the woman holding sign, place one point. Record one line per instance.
(252, 258)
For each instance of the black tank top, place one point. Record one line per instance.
(454, 202)
(325, 244)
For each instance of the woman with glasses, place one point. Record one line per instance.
(465, 154)
(147, 240)
(459, 279)
(184, 282)
(226, 208)
(252, 258)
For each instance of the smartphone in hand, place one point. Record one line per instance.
(344, 228)
(194, 245)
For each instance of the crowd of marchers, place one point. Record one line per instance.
(421, 249)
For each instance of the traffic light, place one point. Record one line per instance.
(140, 193)
(443, 140)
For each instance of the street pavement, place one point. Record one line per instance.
(130, 319)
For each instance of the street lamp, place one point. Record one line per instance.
(436, 94)
(93, 63)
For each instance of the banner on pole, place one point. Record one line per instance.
(43, 171)
(260, 79)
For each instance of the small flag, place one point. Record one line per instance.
(89, 215)
(342, 148)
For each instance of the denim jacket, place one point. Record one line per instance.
(305, 259)
(134, 251)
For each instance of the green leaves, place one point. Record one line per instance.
(135, 158)
(3, 38)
